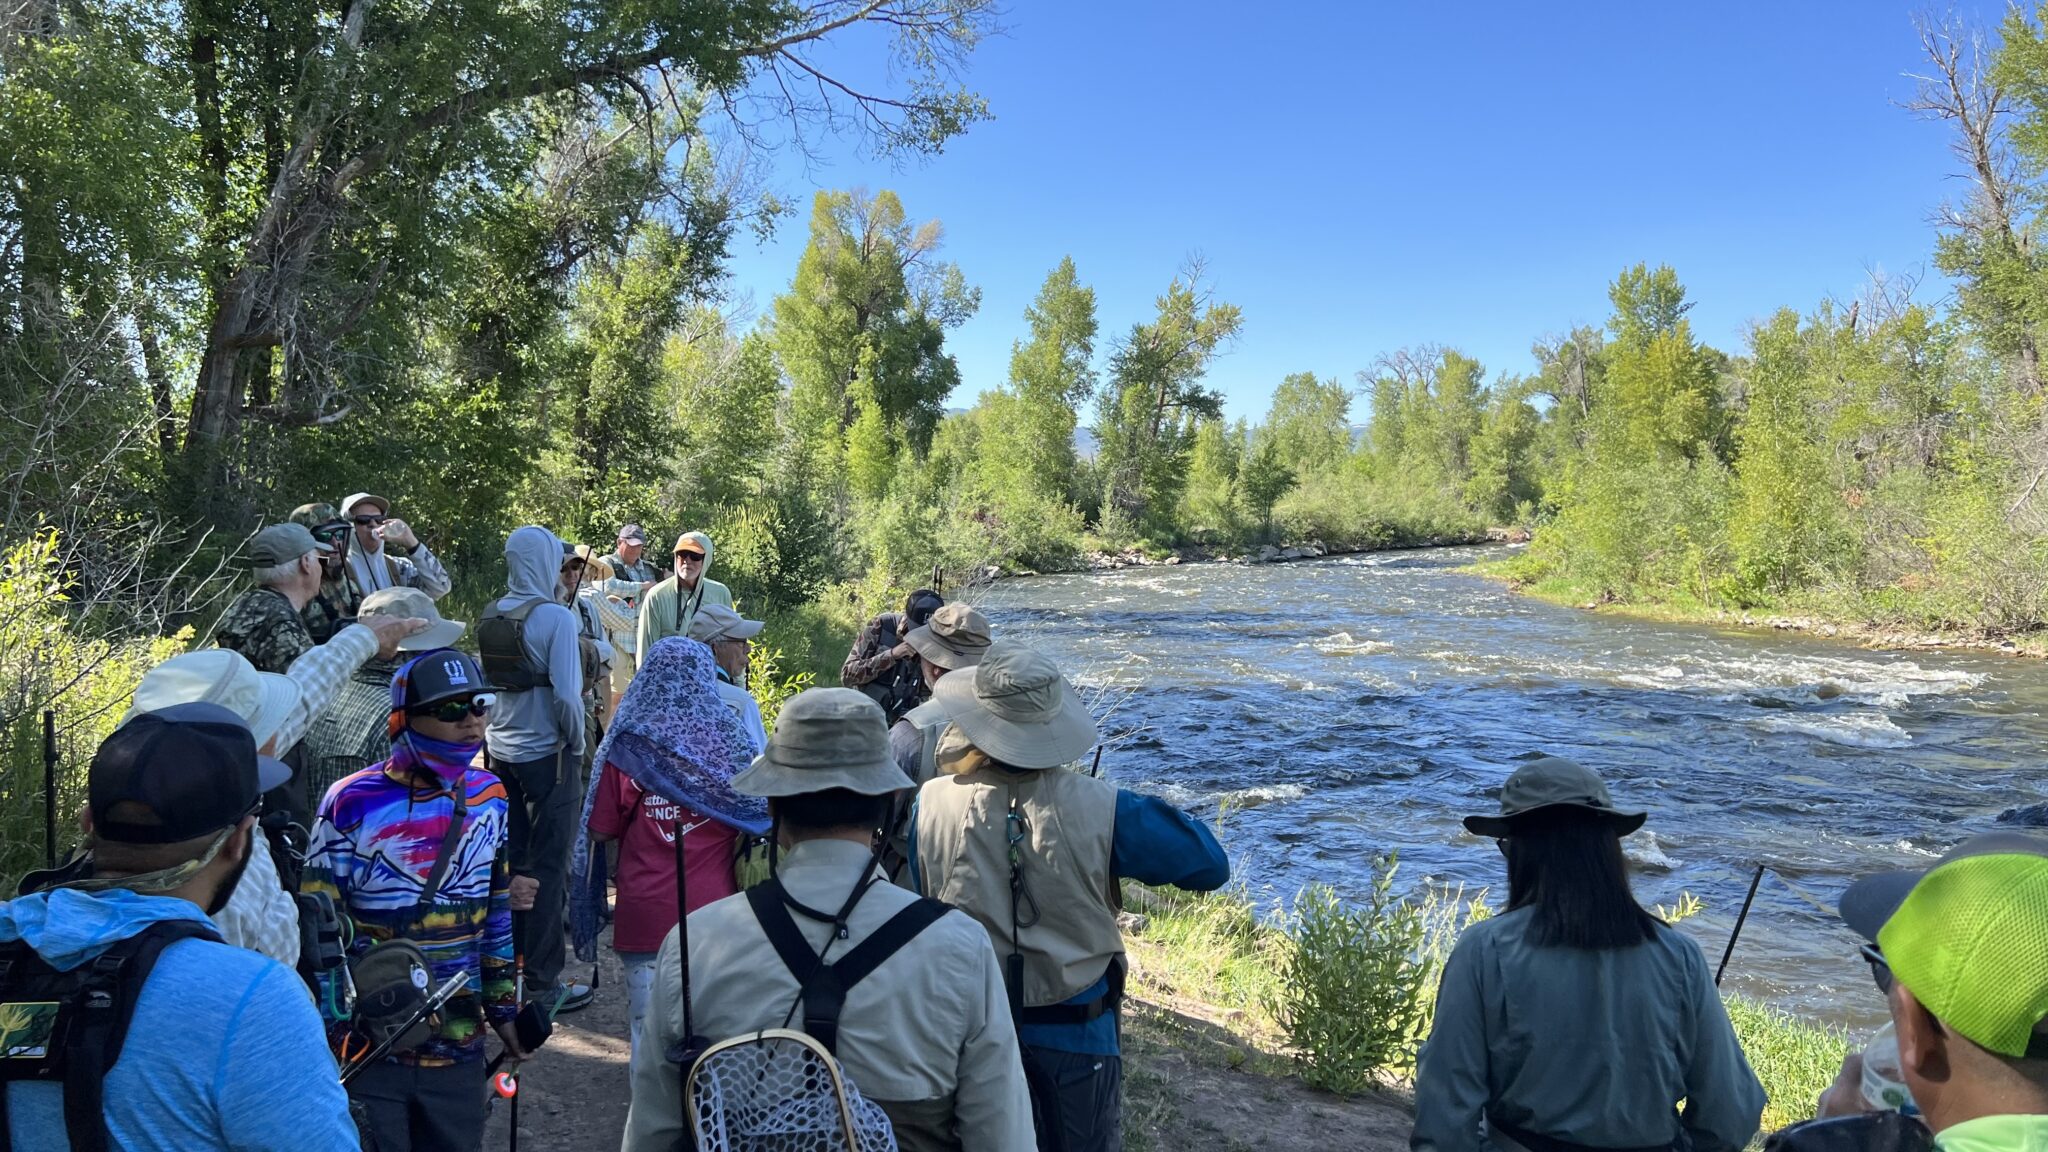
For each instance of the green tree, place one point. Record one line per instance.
(1503, 479)
(1785, 528)
(1266, 478)
(1052, 374)
(1148, 415)
(1310, 422)
(869, 289)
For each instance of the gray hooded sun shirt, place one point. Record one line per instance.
(537, 723)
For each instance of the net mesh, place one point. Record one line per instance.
(780, 1091)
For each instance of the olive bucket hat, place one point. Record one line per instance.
(1017, 708)
(1550, 783)
(825, 738)
(412, 604)
(955, 637)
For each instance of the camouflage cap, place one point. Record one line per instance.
(314, 515)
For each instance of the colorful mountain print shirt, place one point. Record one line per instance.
(374, 845)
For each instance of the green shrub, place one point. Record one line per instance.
(1358, 988)
(47, 661)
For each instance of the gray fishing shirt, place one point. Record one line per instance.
(1595, 1048)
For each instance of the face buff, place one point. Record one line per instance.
(445, 760)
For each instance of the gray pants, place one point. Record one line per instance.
(543, 801)
(1088, 1095)
(408, 1109)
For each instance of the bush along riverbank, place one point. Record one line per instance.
(1317, 1014)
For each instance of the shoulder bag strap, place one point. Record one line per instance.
(112, 991)
(445, 854)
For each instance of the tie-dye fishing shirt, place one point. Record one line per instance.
(373, 847)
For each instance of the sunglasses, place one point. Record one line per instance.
(1880, 969)
(453, 711)
(369, 521)
(329, 533)
(689, 557)
(572, 566)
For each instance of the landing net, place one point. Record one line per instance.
(780, 1091)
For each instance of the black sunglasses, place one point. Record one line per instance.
(1880, 969)
(369, 521)
(453, 711)
(329, 533)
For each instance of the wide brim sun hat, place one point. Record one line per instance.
(1553, 784)
(826, 738)
(1018, 710)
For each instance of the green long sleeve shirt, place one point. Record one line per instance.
(1595, 1048)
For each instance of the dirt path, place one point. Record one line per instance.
(1190, 1085)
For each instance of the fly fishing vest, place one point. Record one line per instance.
(1067, 932)
(501, 649)
(68, 1027)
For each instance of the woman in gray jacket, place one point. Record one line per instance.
(1575, 1020)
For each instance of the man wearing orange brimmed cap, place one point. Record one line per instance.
(670, 606)
(1960, 952)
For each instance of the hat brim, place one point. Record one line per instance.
(271, 773)
(1870, 902)
(1064, 738)
(1501, 827)
(929, 646)
(440, 634)
(769, 778)
(383, 505)
(274, 708)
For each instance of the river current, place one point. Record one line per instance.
(1344, 708)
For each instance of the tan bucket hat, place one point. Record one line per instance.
(955, 637)
(264, 700)
(1552, 782)
(413, 604)
(596, 569)
(825, 738)
(1018, 709)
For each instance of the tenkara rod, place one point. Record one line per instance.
(1739, 920)
(1096, 769)
(49, 788)
(435, 1003)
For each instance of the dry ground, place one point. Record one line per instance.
(1190, 1084)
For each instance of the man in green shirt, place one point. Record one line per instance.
(670, 605)
(1960, 952)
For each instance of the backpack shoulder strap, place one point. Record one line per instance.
(768, 900)
(445, 854)
(889, 939)
(109, 996)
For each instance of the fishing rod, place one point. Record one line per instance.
(49, 788)
(434, 1003)
(1740, 919)
(1096, 769)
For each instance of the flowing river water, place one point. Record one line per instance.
(1348, 707)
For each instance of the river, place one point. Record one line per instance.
(1346, 707)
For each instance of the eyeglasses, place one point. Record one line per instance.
(329, 533)
(368, 521)
(1880, 968)
(453, 711)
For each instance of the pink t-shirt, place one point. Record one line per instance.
(645, 827)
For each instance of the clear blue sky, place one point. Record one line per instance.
(1366, 176)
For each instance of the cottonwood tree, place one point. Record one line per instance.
(1148, 414)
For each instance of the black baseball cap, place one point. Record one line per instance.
(920, 606)
(431, 677)
(192, 767)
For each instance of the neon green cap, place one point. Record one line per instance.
(1969, 937)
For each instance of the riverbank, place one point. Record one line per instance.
(1866, 633)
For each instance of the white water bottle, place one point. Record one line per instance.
(1884, 1085)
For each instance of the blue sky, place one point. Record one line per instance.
(1366, 176)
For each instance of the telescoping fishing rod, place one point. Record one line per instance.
(1740, 919)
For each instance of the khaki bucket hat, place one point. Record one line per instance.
(413, 604)
(955, 637)
(1552, 782)
(1018, 709)
(825, 738)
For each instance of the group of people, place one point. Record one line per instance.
(336, 847)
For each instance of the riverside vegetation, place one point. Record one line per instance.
(477, 259)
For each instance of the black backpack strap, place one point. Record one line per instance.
(111, 991)
(445, 854)
(825, 985)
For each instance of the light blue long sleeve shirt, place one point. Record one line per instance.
(225, 1050)
(1591, 1047)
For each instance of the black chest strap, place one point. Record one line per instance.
(93, 1024)
(825, 985)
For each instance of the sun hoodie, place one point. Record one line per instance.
(668, 609)
(216, 1032)
(535, 724)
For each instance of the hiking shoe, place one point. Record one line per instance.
(578, 997)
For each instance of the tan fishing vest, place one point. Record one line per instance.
(1069, 825)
